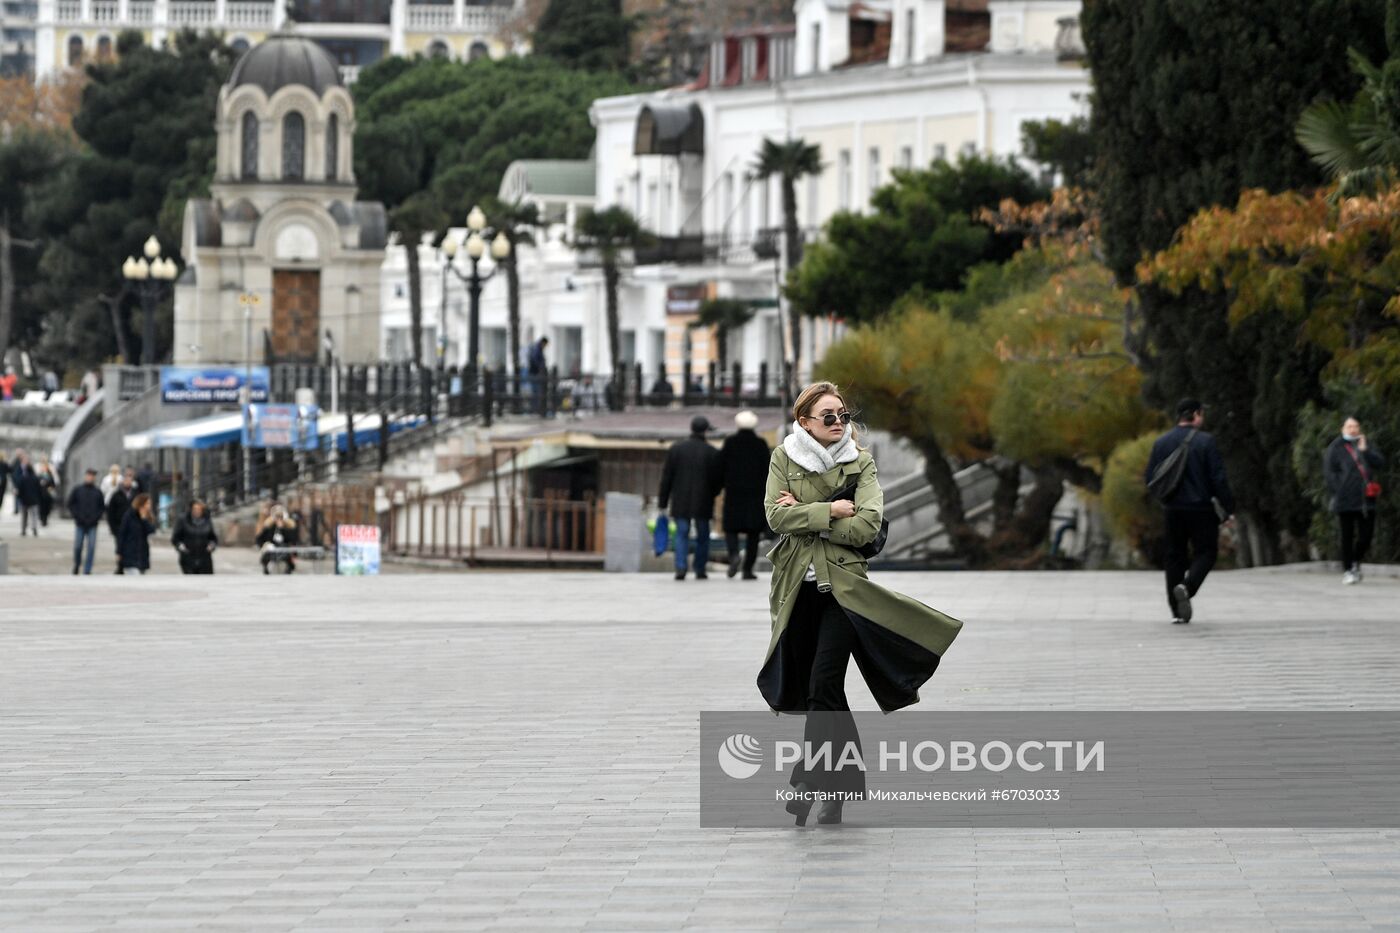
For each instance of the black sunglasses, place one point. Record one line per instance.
(829, 419)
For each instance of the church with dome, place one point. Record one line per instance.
(281, 234)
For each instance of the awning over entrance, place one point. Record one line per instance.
(227, 428)
(670, 130)
(199, 434)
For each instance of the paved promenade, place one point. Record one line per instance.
(451, 752)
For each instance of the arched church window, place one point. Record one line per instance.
(438, 49)
(332, 146)
(104, 49)
(293, 147)
(75, 51)
(478, 50)
(250, 145)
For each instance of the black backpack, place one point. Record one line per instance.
(848, 491)
(1169, 472)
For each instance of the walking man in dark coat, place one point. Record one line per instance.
(28, 492)
(87, 508)
(117, 505)
(689, 483)
(743, 470)
(1195, 509)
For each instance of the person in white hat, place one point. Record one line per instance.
(743, 464)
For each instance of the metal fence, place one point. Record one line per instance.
(455, 525)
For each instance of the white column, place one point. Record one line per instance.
(123, 12)
(220, 13)
(160, 21)
(398, 23)
(86, 14)
(458, 11)
(279, 15)
(45, 59)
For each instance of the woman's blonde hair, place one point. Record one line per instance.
(807, 400)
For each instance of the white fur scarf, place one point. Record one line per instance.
(807, 452)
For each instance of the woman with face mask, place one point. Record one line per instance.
(1350, 467)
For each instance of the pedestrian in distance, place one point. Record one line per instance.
(48, 491)
(110, 482)
(689, 483)
(146, 480)
(1186, 473)
(194, 539)
(1349, 467)
(7, 384)
(87, 509)
(537, 372)
(743, 462)
(14, 469)
(822, 495)
(4, 476)
(134, 536)
(28, 493)
(118, 504)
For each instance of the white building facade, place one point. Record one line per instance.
(878, 86)
(69, 33)
(682, 159)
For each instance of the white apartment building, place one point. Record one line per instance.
(878, 85)
(67, 33)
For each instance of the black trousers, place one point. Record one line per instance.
(1193, 542)
(1357, 528)
(829, 721)
(731, 545)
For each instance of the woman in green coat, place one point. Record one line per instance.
(824, 608)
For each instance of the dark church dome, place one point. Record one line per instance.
(280, 60)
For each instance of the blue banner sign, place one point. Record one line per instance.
(187, 385)
(291, 426)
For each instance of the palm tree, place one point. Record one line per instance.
(517, 221)
(790, 161)
(724, 315)
(1358, 144)
(609, 233)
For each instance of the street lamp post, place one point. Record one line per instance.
(476, 249)
(149, 276)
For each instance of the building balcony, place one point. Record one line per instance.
(444, 17)
(250, 15)
(1069, 41)
(716, 248)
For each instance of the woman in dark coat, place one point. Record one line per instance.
(133, 537)
(824, 609)
(29, 492)
(743, 465)
(195, 539)
(1350, 467)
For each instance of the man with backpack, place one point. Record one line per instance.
(1186, 473)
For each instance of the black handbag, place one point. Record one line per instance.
(848, 491)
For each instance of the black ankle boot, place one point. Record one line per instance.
(801, 804)
(830, 811)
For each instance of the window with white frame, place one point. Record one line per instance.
(906, 157)
(814, 213)
(968, 149)
(940, 153)
(872, 169)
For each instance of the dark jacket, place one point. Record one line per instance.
(117, 507)
(743, 473)
(197, 536)
(86, 506)
(689, 480)
(27, 486)
(133, 542)
(1344, 480)
(1205, 471)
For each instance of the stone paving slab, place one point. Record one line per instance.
(518, 751)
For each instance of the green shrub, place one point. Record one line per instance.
(1133, 517)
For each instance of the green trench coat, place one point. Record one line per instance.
(900, 639)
